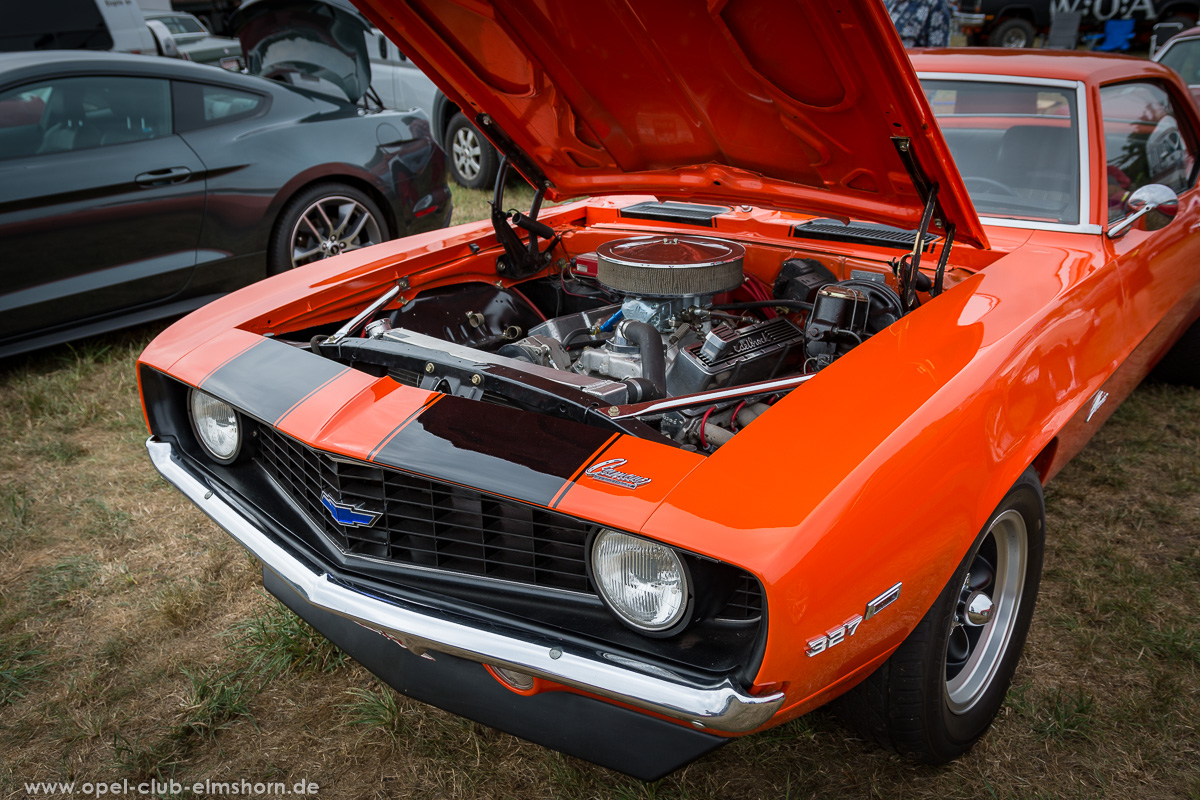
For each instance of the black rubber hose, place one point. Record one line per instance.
(532, 225)
(582, 343)
(799, 305)
(566, 340)
(650, 345)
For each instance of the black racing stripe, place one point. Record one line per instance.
(433, 398)
(495, 449)
(269, 379)
(604, 448)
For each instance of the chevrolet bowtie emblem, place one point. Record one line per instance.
(348, 515)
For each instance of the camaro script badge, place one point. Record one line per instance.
(607, 471)
(348, 515)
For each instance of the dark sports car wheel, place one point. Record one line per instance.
(938, 693)
(322, 221)
(1012, 32)
(473, 160)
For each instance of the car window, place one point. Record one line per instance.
(1184, 57)
(201, 105)
(182, 24)
(81, 113)
(1143, 143)
(1016, 146)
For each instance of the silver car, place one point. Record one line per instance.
(400, 85)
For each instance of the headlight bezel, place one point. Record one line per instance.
(683, 616)
(205, 446)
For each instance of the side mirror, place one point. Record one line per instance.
(1151, 207)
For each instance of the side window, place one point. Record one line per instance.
(202, 105)
(1143, 143)
(66, 114)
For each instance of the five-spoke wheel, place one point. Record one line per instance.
(473, 160)
(324, 221)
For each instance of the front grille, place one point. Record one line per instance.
(746, 602)
(438, 525)
(428, 523)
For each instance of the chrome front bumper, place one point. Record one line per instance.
(968, 20)
(714, 707)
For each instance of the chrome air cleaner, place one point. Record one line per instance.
(670, 266)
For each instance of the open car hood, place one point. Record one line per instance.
(797, 104)
(316, 44)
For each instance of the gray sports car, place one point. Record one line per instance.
(134, 188)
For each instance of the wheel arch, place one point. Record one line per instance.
(443, 111)
(306, 181)
(1024, 12)
(1045, 460)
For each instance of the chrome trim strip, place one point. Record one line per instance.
(719, 707)
(1030, 225)
(1085, 167)
(979, 77)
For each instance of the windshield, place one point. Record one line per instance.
(1015, 145)
(181, 24)
(1183, 56)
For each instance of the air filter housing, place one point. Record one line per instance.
(670, 266)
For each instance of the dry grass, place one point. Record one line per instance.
(134, 641)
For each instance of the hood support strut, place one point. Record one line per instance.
(907, 271)
(519, 260)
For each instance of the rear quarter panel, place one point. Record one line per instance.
(254, 167)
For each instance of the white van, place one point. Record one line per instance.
(76, 25)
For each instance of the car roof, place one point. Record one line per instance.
(1190, 33)
(33, 64)
(1067, 65)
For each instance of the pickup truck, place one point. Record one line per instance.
(1015, 23)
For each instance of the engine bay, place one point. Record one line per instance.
(666, 336)
(663, 335)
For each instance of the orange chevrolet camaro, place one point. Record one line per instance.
(760, 418)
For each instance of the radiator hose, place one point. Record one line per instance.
(650, 346)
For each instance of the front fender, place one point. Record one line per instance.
(884, 467)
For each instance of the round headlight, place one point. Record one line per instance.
(643, 582)
(216, 426)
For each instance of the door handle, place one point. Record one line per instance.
(163, 177)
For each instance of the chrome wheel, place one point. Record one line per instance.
(1015, 38)
(986, 612)
(467, 153)
(331, 226)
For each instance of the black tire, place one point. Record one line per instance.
(356, 222)
(921, 703)
(472, 159)
(1012, 32)
(1181, 364)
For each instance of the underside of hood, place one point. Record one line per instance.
(800, 104)
(315, 44)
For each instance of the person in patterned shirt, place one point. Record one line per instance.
(921, 23)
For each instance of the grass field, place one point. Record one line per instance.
(135, 641)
